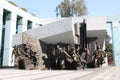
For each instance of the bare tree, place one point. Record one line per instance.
(69, 8)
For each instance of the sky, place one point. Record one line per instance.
(46, 8)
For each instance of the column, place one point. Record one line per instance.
(115, 42)
(10, 30)
(77, 33)
(1, 16)
(24, 24)
(34, 25)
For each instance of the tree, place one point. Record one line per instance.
(108, 45)
(24, 9)
(69, 8)
(108, 50)
(13, 3)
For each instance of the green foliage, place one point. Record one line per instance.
(24, 9)
(33, 14)
(108, 45)
(13, 3)
(69, 8)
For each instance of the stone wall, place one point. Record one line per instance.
(36, 47)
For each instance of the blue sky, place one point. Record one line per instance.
(45, 8)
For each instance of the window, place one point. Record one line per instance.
(29, 25)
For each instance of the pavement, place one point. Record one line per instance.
(105, 73)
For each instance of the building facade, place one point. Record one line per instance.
(113, 25)
(14, 21)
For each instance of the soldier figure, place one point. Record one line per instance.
(18, 54)
(99, 55)
(34, 59)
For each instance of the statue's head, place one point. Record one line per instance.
(15, 46)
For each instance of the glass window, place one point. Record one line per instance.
(29, 25)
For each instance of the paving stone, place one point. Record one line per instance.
(105, 73)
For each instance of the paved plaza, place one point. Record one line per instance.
(106, 73)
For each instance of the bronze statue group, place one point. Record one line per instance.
(19, 55)
(63, 57)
